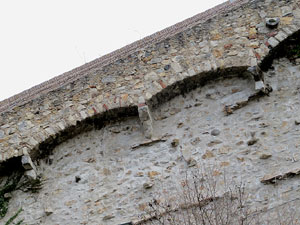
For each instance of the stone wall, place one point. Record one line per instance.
(108, 176)
(231, 40)
(108, 141)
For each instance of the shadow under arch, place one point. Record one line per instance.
(100, 120)
(283, 49)
(97, 121)
(190, 83)
(180, 87)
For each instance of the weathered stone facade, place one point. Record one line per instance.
(107, 176)
(233, 115)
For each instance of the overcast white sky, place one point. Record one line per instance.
(40, 39)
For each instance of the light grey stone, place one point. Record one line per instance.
(146, 119)
(296, 13)
(273, 42)
(33, 142)
(176, 67)
(203, 44)
(287, 30)
(191, 72)
(206, 66)
(215, 132)
(286, 11)
(281, 36)
(155, 60)
(2, 134)
(27, 163)
(151, 76)
(259, 85)
(30, 175)
(108, 79)
(50, 130)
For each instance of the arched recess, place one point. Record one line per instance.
(283, 48)
(290, 40)
(180, 87)
(99, 120)
(145, 154)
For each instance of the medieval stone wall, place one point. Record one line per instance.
(232, 40)
(110, 140)
(108, 176)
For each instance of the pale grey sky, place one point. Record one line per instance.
(41, 39)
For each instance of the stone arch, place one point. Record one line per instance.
(97, 120)
(100, 119)
(189, 83)
(157, 147)
(112, 107)
(272, 48)
(44, 148)
(287, 37)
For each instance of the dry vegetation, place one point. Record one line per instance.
(208, 200)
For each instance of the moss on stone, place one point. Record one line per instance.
(9, 186)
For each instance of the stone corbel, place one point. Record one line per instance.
(145, 117)
(258, 77)
(30, 169)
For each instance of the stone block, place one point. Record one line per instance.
(273, 42)
(144, 113)
(146, 120)
(176, 67)
(148, 130)
(30, 175)
(281, 36)
(27, 163)
(259, 85)
(287, 30)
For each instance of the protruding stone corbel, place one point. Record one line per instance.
(145, 117)
(258, 77)
(256, 72)
(30, 168)
(27, 163)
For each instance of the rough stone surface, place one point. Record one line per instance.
(116, 180)
(146, 120)
(195, 77)
(196, 48)
(27, 163)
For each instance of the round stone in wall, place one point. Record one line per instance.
(215, 132)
